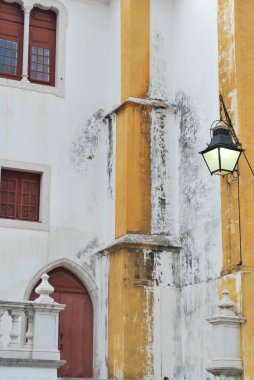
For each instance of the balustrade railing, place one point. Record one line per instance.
(34, 326)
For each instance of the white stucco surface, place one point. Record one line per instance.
(40, 128)
(25, 373)
(69, 136)
(184, 71)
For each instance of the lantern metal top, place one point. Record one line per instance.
(221, 135)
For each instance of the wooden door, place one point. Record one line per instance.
(75, 324)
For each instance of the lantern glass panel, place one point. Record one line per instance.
(212, 159)
(228, 159)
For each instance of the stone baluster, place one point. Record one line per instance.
(30, 325)
(44, 289)
(14, 333)
(1, 332)
(226, 305)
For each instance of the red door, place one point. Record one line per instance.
(75, 323)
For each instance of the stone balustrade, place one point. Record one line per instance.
(32, 339)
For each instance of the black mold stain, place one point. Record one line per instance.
(159, 174)
(171, 269)
(90, 248)
(85, 146)
(193, 190)
(110, 155)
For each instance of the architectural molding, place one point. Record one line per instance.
(32, 363)
(73, 267)
(96, 2)
(154, 242)
(153, 103)
(225, 371)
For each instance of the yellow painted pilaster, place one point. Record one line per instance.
(244, 21)
(133, 170)
(131, 305)
(135, 48)
(131, 296)
(236, 62)
(228, 88)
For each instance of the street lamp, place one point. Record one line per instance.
(222, 154)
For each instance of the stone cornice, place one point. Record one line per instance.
(225, 319)
(153, 103)
(141, 241)
(34, 363)
(225, 371)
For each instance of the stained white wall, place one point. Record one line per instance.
(184, 71)
(70, 135)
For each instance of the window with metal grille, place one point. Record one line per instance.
(42, 46)
(11, 40)
(19, 195)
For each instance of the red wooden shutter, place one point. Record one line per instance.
(20, 192)
(11, 40)
(29, 199)
(9, 194)
(42, 46)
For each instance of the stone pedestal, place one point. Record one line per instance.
(226, 362)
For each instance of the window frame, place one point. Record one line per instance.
(20, 178)
(44, 170)
(14, 22)
(61, 26)
(43, 34)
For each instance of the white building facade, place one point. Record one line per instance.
(66, 133)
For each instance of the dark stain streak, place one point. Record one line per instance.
(86, 255)
(85, 146)
(193, 190)
(159, 173)
(110, 155)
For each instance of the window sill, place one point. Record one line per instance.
(26, 85)
(23, 224)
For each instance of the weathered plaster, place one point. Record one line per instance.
(159, 155)
(158, 82)
(86, 144)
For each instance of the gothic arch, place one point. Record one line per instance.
(73, 267)
(85, 277)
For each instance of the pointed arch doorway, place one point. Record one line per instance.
(75, 339)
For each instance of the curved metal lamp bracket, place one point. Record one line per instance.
(228, 122)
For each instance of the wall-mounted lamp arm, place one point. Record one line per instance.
(229, 122)
(248, 163)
